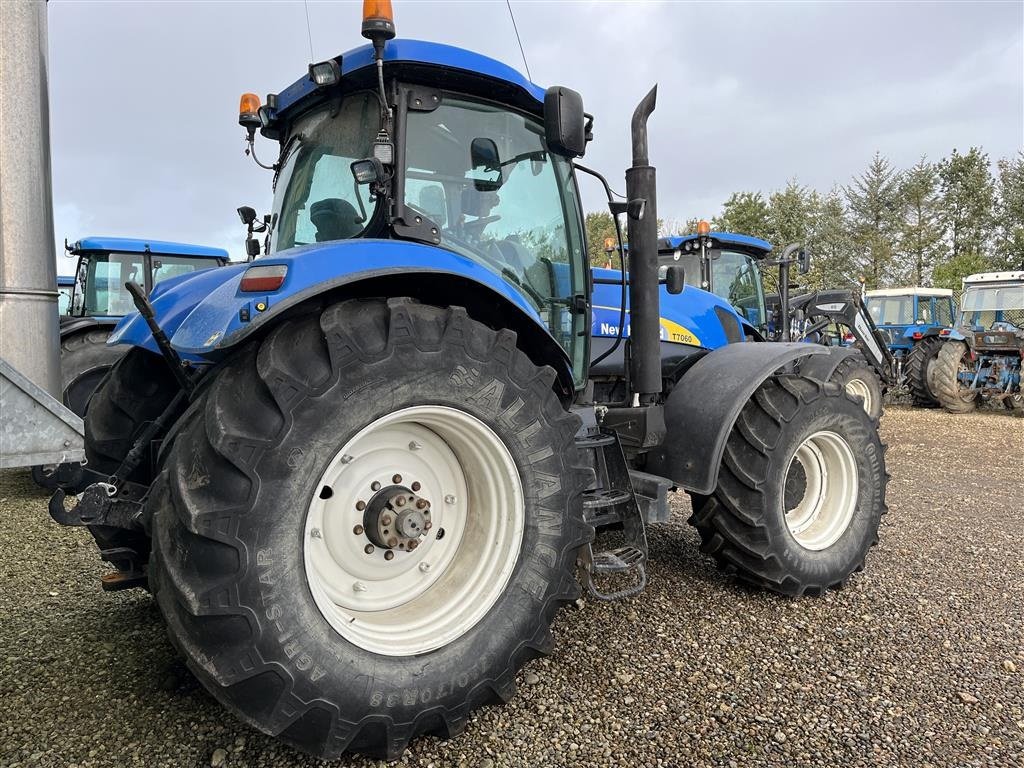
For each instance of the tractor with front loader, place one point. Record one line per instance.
(362, 472)
(980, 361)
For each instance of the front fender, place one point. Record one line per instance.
(703, 407)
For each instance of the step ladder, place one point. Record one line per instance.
(610, 506)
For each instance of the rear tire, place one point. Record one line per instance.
(801, 489)
(859, 379)
(952, 359)
(255, 513)
(919, 369)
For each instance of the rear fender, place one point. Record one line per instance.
(821, 367)
(702, 408)
(76, 325)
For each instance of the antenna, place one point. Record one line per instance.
(309, 33)
(518, 39)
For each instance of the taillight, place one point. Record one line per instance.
(848, 337)
(918, 335)
(263, 279)
(944, 332)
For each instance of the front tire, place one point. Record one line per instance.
(295, 602)
(920, 371)
(801, 489)
(859, 379)
(952, 360)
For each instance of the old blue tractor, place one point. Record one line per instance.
(361, 472)
(914, 322)
(981, 358)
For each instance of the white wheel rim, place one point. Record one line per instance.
(860, 388)
(423, 599)
(829, 500)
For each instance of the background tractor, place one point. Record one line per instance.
(361, 472)
(914, 322)
(981, 359)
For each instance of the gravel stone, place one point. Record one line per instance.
(718, 670)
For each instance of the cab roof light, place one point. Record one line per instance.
(378, 21)
(263, 279)
(248, 111)
(703, 228)
(325, 73)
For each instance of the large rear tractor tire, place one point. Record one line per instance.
(369, 525)
(801, 489)
(953, 359)
(920, 371)
(858, 378)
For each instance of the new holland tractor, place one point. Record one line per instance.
(728, 266)
(981, 359)
(914, 323)
(361, 473)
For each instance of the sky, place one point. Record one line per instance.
(144, 95)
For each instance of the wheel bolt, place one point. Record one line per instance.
(374, 486)
(389, 555)
(358, 530)
(396, 479)
(421, 504)
(368, 549)
(385, 519)
(413, 544)
(400, 501)
(360, 505)
(427, 525)
(416, 486)
(315, 533)
(392, 541)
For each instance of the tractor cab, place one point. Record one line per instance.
(65, 290)
(906, 315)
(105, 264)
(725, 263)
(993, 301)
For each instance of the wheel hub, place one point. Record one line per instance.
(397, 517)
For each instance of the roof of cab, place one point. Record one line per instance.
(995, 277)
(418, 52)
(132, 245)
(910, 291)
(728, 238)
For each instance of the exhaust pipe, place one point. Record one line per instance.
(645, 314)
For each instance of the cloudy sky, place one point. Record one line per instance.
(144, 95)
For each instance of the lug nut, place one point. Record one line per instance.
(374, 486)
(416, 486)
(385, 519)
(400, 501)
(413, 544)
(392, 541)
(360, 505)
(396, 479)
(358, 530)
(389, 555)
(368, 549)
(421, 504)
(427, 525)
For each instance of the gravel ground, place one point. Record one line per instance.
(919, 662)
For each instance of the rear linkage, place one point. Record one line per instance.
(111, 500)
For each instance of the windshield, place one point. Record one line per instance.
(483, 174)
(986, 305)
(735, 277)
(316, 197)
(891, 310)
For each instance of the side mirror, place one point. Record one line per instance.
(675, 278)
(368, 171)
(485, 164)
(803, 261)
(565, 124)
(247, 214)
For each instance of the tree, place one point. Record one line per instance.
(600, 226)
(1009, 248)
(746, 213)
(950, 273)
(831, 245)
(921, 231)
(789, 216)
(967, 200)
(873, 200)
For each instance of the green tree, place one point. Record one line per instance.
(746, 213)
(921, 231)
(967, 201)
(1010, 213)
(951, 272)
(830, 242)
(600, 226)
(873, 200)
(789, 216)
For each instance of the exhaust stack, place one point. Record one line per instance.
(645, 314)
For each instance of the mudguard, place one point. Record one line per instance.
(205, 314)
(69, 326)
(702, 408)
(821, 367)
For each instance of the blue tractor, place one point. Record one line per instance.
(361, 472)
(914, 322)
(981, 358)
(65, 289)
